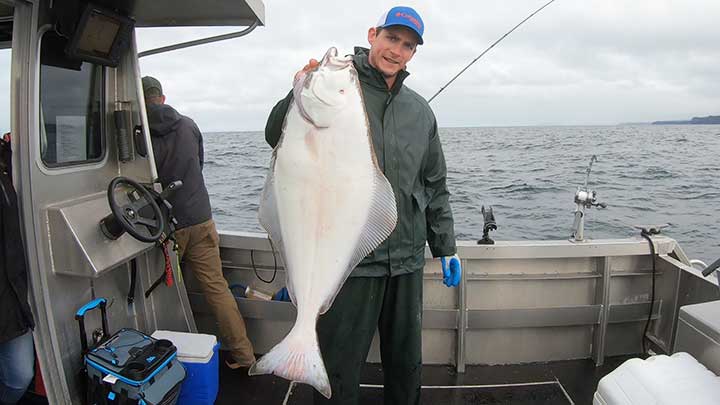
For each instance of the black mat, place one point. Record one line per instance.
(579, 378)
(549, 393)
(32, 399)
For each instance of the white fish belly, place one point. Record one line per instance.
(326, 204)
(324, 186)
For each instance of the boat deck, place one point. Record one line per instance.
(556, 383)
(560, 382)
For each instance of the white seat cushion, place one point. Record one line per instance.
(659, 380)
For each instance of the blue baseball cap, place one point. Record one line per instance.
(404, 16)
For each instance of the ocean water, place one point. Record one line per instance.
(646, 174)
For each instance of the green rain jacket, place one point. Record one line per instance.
(407, 146)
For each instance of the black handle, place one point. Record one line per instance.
(712, 267)
(80, 317)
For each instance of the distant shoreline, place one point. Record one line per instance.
(709, 120)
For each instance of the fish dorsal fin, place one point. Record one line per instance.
(269, 219)
(381, 221)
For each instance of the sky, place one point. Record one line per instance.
(592, 62)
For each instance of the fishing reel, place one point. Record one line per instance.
(588, 199)
(584, 199)
(489, 225)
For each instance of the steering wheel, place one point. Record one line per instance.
(129, 215)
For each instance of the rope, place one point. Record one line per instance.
(646, 235)
(252, 261)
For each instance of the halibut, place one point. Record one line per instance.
(326, 204)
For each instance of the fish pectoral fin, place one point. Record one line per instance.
(269, 220)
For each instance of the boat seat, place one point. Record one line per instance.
(659, 380)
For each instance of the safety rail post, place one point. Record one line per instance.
(603, 296)
(462, 319)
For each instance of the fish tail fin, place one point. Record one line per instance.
(296, 358)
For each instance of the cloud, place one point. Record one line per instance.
(589, 62)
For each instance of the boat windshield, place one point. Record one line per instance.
(71, 105)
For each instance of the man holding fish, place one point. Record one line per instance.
(390, 199)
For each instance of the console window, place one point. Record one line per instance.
(71, 106)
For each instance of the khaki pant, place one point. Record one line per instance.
(199, 250)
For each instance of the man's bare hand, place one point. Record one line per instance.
(312, 65)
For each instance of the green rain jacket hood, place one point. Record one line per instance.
(407, 146)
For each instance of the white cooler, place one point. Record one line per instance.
(198, 353)
(659, 380)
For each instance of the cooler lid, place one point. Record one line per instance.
(705, 317)
(189, 345)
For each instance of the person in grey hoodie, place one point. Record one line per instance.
(178, 149)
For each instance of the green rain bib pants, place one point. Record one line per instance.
(393, 306)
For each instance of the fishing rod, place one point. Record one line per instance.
(489, 48)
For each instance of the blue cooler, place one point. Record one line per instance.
(199, 354)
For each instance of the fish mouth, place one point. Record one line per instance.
(330, 62)
(333, 62)
(331, 53)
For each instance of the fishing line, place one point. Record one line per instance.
(489, 48)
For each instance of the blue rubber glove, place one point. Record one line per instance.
(282, 295)
(452, 272)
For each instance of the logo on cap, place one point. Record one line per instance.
(411, 18)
